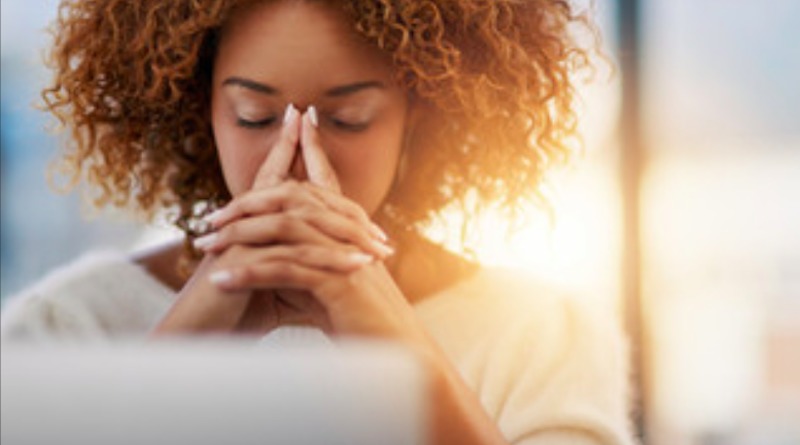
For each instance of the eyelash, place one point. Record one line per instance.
(342, 125)
(346, 126)
(256, 124)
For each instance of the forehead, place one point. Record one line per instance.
(300, 43)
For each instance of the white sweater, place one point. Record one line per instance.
(548, 369)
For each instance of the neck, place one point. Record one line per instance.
(422, 268)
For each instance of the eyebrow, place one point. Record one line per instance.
(342, 90)
(250, 85)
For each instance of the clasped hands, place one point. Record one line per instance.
(294, 252)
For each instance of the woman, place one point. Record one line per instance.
(324, 135)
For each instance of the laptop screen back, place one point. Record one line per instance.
(211, 393)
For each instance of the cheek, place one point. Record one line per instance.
(241, 153)
(366, 167)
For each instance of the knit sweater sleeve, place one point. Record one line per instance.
(32, 317)
(565, 383)
(548, 369)
(99, 296)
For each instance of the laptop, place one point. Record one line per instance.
(210, 392)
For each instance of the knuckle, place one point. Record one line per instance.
(290, 185)
(348, 230)
(355, 210)
(282, 188)
(275, 253)
(351, 209)
(282, 271)
(234, 251)
(228, 233)
(284, 223)
(286, 192)
(261, 202)
(223, 236)
(327, 177)
(359, 212)
(245, 274)
(302, 214)
(309, 187)
(305, 253)
(234, 207)
(353, 232)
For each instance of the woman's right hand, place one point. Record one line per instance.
(343, 240)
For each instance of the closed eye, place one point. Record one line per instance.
(349, 126)
(263, 123)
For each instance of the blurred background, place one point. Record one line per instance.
(683, 211)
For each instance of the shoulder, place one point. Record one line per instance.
(101, 293)
(531, 306)
(496, 299)
(510, 307)
(537, 356)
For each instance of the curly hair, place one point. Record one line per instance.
(133, 78)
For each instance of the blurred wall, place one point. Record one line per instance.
(39, 229)
(721, 204)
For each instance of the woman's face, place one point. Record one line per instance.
(281, 52)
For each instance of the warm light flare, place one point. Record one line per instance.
(578, 252)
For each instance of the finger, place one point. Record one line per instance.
(276, 227)
(263, 230)
(336, 259)
(299, 307)
(275, 168)
(344, 230)
(270, 275)
(260, 316)
(291, 195)
(303, 225)
(261, 201)
(269, 309)
(341, 204)
(318, 168)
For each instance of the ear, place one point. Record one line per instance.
(418, 110)
(414, 112)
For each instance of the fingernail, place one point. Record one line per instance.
(312, 116)
(384, 249)
(203, 226)
(379, 233)
(205, 241)
(360, 258)
(220, 277)
(290, 114)
(214, 217)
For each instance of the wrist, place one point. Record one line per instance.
(456, 413)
